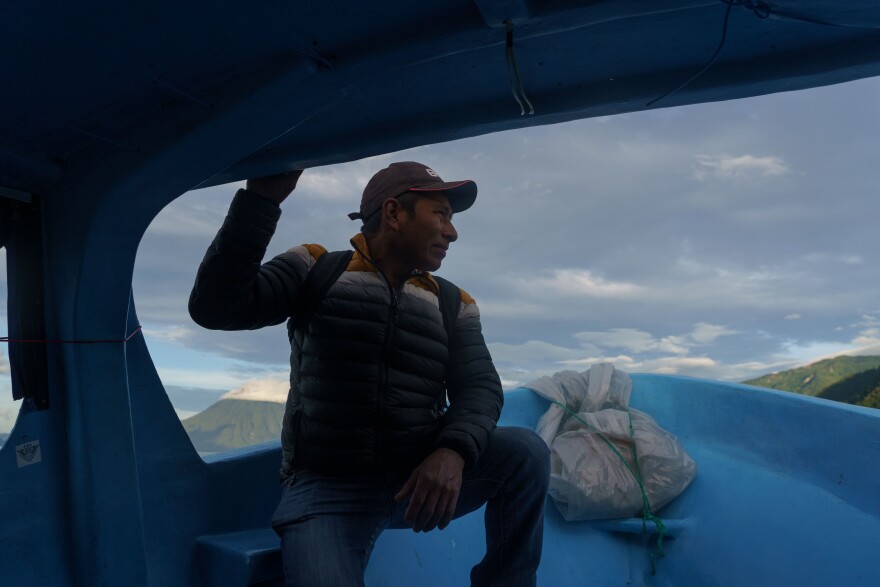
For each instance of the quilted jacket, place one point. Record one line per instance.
(375, 385)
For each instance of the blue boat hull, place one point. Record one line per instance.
(786, 494)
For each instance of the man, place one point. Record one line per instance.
(368, 439)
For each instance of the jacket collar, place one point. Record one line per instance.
(361, 261)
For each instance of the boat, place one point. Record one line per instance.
(108, 112)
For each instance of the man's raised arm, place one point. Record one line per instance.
(233, 291)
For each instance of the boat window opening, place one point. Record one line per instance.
(653, 240)
(8, 407)
(227, 388)
(21, 214)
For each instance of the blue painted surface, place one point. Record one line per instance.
(786, 494)
(108, 113)
(280, 84)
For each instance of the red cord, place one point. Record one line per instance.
(97, 341)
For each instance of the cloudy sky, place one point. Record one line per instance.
(722, 241)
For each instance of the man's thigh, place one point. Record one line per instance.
(328, 527)
(514, 456)
(511, 453)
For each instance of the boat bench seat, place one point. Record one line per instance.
(253, 557)
(248, 557)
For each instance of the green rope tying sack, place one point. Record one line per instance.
(647, 514)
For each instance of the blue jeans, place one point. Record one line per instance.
(328, 525)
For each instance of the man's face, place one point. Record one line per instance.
(425, 236)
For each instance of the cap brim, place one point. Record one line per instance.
(461, 194)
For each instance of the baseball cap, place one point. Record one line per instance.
(409, 176)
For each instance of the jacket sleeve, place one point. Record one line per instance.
(474, 388)
(233, 291)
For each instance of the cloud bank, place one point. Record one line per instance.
(721, 240)
(260, 390)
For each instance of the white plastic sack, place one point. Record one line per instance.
(588, 481)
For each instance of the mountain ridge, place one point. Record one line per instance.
(861, 389)
(847, 379)
(234, 423)
(814, 378)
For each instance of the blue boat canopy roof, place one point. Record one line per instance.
(263, 87)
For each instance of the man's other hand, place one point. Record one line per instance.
(433, 489)
(274, 187)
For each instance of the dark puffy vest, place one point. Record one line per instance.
(367, 380)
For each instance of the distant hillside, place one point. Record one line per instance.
(817, 377)
(232, 423)
(872, 400)
(862, 389)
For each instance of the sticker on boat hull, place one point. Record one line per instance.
(28, 454)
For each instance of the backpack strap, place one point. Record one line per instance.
(324, 273)
(450, 302)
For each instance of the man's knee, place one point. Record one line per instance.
(526, 447)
